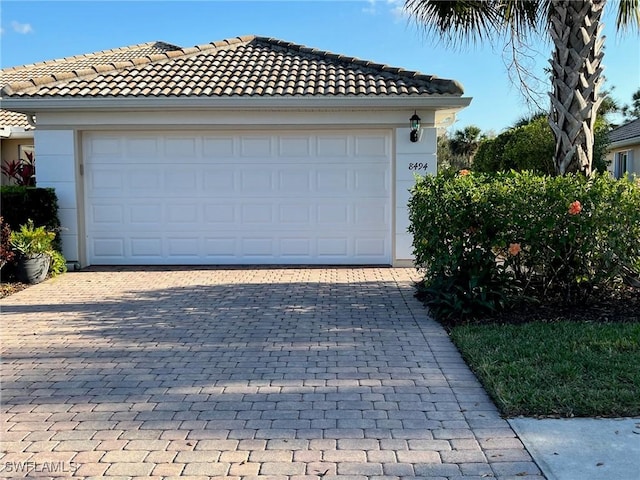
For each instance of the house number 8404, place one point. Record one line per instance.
(418, 166)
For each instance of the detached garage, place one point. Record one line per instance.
(246, 151)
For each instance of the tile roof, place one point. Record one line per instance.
(241, 66)
(14, 119)
(82, 62)
(625, 132)
(70, 64)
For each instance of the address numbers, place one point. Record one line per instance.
(418, 166)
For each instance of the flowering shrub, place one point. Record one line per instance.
(484, 242)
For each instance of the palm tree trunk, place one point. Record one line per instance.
(576, 31)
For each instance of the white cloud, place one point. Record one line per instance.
(371, 8)
(397, 9)
(394, 7)
(22, 28)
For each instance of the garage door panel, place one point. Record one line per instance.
(105, 181)
(369, 247)
(108, 248)
(256, 214)
(260, 247)
(183, 247)
(107, 215)
(370, 215)
(294, 146)
(183, 213)
(294, 214)
(332, 181)
(332, 247)
(185, 180)
(220, 213)
(329, 146)
(255, 146)
(293, 181)
(218, 147)
(179, 148)
(256, 180)
(371, 146)
(144, 214)
(273, 198)
(142, 181)
(220, 247)
(144, 149)
(296, 247)
(218, 181)
(371, 181)
(147, 247)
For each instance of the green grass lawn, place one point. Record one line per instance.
(556, 369)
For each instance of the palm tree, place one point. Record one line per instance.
(465, 142)
(576, 31)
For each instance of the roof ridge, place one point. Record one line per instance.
(115, 66)
(87, 55)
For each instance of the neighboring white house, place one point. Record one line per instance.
(624, 150)
(249, 150)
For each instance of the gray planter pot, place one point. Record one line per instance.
(33, 269)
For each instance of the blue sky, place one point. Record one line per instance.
(369, 29)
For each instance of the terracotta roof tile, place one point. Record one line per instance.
(72, 67)
(242, 66)
(82, 62)
(14, 119)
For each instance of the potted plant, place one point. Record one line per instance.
(34, 249)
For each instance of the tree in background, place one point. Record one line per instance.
(456, 151)
(576, 31)
(529, 145)
(632, 111)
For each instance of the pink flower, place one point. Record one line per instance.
(575, 208)
(514, 249)
(464, 172)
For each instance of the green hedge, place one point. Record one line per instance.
(485, 242)
(19, 204)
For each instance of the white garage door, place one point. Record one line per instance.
(252, 198)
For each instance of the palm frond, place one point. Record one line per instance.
(456, 21)
(628, 15)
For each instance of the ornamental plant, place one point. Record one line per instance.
(30, 240)
(22, 171)
(485, 242)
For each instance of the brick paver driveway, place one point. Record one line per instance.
(241, 373)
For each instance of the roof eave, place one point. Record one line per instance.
(627, 142)
(12, 132)
(434, 102)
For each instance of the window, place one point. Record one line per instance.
(620, 165)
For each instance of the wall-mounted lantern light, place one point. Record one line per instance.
(414, 123)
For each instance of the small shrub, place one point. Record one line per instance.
(31, 240)
(6, 253)
(19, 204)
(485, 242)
(58, 263)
